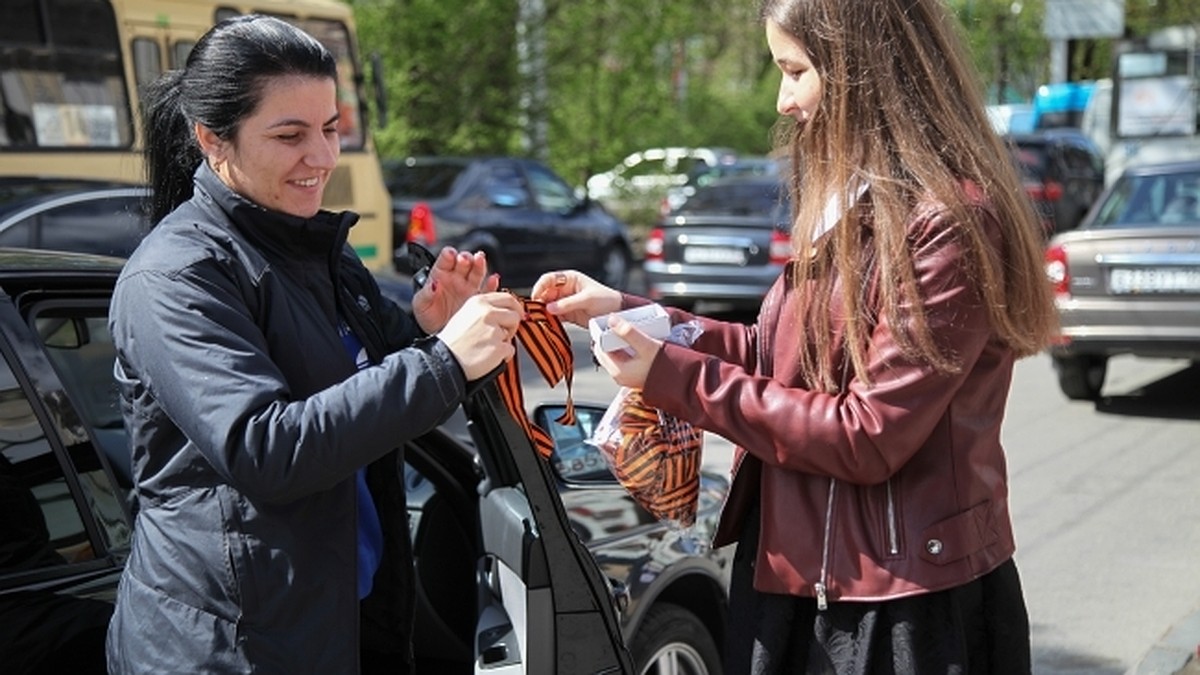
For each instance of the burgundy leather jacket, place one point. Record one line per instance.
(876, 492)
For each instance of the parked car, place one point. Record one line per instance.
(1063, 171)
(518, 211)
(509, 579)
(642, 179)
(730, 167)
(727, 243)
(1128, 280)
(73, 215)
(85, 216)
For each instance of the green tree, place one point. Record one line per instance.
(620, 75)
(451, 75)
(1007, 46)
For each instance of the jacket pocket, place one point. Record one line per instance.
(959, 536)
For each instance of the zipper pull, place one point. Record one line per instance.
(822, 603)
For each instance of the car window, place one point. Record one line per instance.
(44, 522)
(550, 192)
(108, 226)
(503, 186)
(1033, 160)
(1148, 201)
(104, 225)
(737, 199)
(1077, 159)
(421, 181)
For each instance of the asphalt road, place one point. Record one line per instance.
(1105, 496)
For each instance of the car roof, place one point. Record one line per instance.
(19, 191)
(1157, 169)
(1050, 134)
(25, 263)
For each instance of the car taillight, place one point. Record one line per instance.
(420, 224)
(780, 250)
(1052, 191)
(654, 244)
(1057, 271)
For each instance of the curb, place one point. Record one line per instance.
(1179, 646)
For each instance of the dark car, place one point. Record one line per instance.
(520, 213)
(727, 243)
(1063, 171)
(84, 216)
(728, 167)
(1128, 280)
(508, 579)
(72, 215)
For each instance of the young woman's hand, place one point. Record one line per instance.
(574, 296)
(454, 277)
(630, 366)
(480, 333)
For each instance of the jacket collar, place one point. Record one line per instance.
(281, 234)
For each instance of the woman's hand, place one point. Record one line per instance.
(454, 277)
(574, 296)
(630, 366)
(480, 333)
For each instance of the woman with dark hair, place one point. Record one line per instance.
(870, 496)
(266, 383)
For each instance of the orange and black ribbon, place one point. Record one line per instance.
(544, 338)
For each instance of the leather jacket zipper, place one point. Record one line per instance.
(893, 539)
(819, 587)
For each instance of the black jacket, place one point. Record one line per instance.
(247, 420)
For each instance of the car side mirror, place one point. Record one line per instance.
(413, 260)
(575, 460)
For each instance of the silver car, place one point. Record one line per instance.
(726, 244)
(1127, 281)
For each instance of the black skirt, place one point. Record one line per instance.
(979, 628)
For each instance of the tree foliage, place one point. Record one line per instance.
(620, 75)
(623, 75)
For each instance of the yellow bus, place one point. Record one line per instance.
(71, 72)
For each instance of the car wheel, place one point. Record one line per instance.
(672, 641)
(1081, 377)
(614, 270)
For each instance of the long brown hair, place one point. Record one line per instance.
(902, 113)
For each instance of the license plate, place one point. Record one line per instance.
(1123, 281)
(714, 255)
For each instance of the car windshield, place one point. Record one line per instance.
(737, 199)
(423, 180)
(704, 175)
(1171, 199)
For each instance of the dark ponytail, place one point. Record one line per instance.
(220, 85)
(171, 153)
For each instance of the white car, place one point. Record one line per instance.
(643, 178)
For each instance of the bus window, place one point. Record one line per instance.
(179, 53)
(336, 38)
(147, 63)
(61, 85)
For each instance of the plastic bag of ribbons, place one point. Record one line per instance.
(654, 455)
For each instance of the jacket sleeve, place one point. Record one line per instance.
(866, 433)
(732, 342)
(191, 342)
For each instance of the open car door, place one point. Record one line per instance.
(544, 606)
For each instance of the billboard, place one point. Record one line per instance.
(1073, 19)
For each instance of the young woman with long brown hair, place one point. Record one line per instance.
(870, 494)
